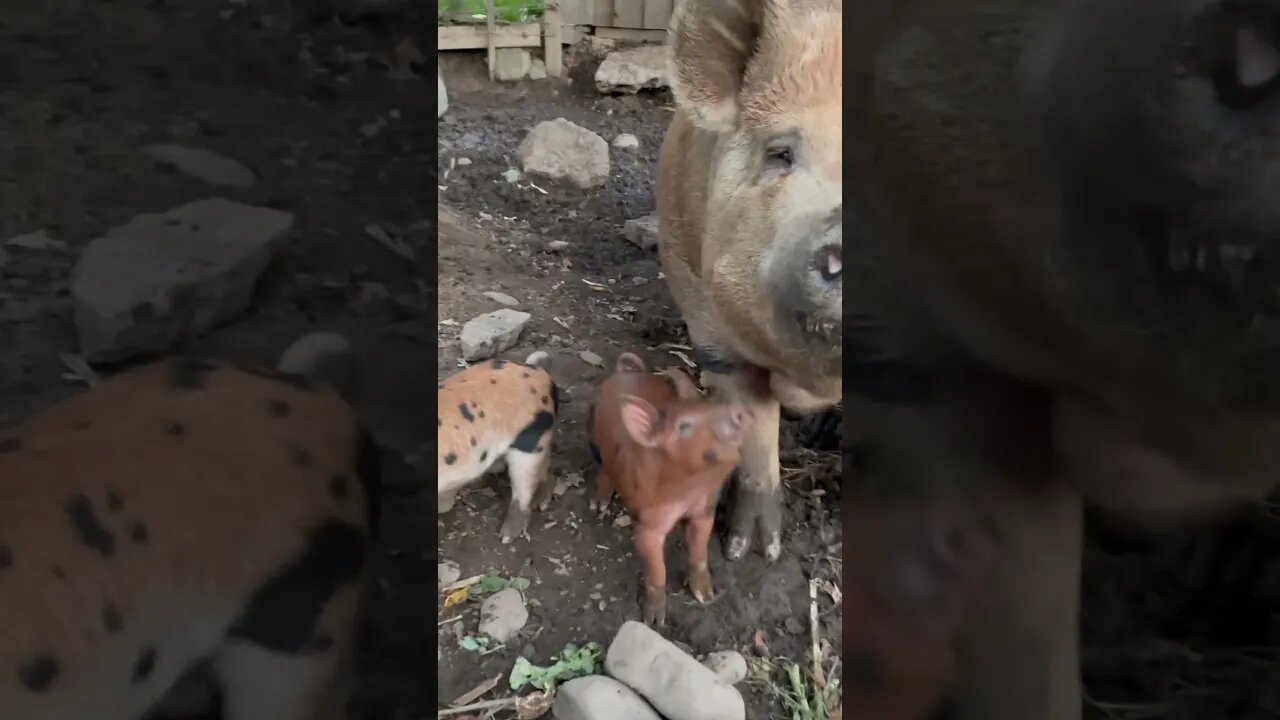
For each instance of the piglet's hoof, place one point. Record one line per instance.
(700, 584)
(655, 606)
(516, 524)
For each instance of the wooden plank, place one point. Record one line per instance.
(602, 13)
(576, 12)
(491, 25)
(628, 13)
(553, 54)
(476, 37)
(632, 34)
(657, 13)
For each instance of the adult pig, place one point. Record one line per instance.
(1078, 198)
(749, 207)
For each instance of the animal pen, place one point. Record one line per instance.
(550, 24)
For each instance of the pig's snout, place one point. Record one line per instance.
(805, 274)
(733, 424)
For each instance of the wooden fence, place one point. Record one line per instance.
(564, 23)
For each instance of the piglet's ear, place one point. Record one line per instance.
(640, 418)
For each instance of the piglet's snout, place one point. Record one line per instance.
(733, 423)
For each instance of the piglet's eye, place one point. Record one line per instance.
(684, 429)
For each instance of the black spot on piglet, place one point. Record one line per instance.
(282, 613)
(87, 528)
(450, 459)
(466, 412)
(38, 673)
(709, 457)
(529, 437)
(143, 666)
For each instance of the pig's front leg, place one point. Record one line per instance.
(757, 503)
(650, 547)
(698, 537)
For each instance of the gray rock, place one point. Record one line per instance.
(677, 685)
(164, 277)
(489, 334)
(626, 141)
(511, 64)
(448, 572)
(561, 150)
(503, 614)
(38, 240)
(501, 298)
(642, 231)
(445, 502)
(632, 70)
(204, 165)
(597, 697)
(442, 95)
(728, 665)
(538, 70)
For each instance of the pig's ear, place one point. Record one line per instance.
(710, 43)
(640, 418)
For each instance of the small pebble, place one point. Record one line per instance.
(626, 141)
(463, 162)
(591, 358)
(501, 298)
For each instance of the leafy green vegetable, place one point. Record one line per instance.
(473, 643)
(494, 583)
(574, 661)
(511, 11)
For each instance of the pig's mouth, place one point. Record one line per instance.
(818, 328)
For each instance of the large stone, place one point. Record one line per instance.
(561, 150)
(165, 277)
(511, 64)
(642, 231)
(633, 70)
(503, 614)
(597, 697)
(728, 665)
(487, 335)
(203, 164)
(442, 96)
(677, 685)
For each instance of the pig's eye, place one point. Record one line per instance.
(684, 429)
(779, 157)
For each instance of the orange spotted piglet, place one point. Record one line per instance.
(666, 452)
(498, 409)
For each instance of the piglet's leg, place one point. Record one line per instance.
(697, 536)
(757, 504)
(528, 471)
(599, 502)
(650, 547)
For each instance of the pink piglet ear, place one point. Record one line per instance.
(640, 418)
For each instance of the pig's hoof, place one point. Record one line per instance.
(773, 548)
(516, 524)
(737, 548)
(700, 584)
(655, 606)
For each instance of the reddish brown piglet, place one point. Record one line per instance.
(666, 452)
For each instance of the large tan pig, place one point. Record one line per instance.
(749, 206)
(1078, 204)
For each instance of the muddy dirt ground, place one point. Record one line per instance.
(1182, 627)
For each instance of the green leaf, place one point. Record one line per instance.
(494, 583)
(573, 662)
